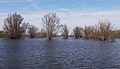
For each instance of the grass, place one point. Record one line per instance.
(3, 36)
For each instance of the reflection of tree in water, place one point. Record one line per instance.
(12, 48)
(50, 55)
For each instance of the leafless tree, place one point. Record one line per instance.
(90, 32)
(43, 33)
(105, 28)
(51, 24)
(117, 33)
(32, 30)
(102, 31)
(65, 31)
(77, 32)
(87, 31)
(14, 27)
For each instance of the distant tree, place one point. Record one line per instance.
(117, 33)
(32, 30)
(14, 27)
(87, 31)
(102, 31)
(51, 24)
(90, 32)
(65, 31)
(43, 33)
(77, 32)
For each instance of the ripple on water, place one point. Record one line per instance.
(59, 54)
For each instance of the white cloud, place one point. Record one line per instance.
(32, 3)
(63, 9)
(74, 18)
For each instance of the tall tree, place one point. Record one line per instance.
(14, 27)
(51, 24)
(32, 30)
(65, 31)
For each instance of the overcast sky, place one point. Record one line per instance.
(71, 12)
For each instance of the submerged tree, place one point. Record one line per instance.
(87, 31)
(90, 32)
(32, 30)
(117, 33)
(77, 32)
(105, 29)
(102, 31)
(51, 24)
(65, 31)
(14, 27)
(41, 34)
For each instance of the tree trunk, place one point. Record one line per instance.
(49, 38)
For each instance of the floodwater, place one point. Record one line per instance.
(59, 53)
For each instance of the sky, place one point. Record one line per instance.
(71, 12)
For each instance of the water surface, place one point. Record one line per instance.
(59, 53)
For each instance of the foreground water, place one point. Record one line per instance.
(59, 54)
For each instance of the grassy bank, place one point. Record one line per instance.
(3, 36)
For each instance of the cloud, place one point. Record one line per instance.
(63, 9)
(74, 18)
(31, 3)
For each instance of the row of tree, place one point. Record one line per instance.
(15, 28)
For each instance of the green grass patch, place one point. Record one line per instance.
(3, 36)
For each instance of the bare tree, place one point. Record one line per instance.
(102, 31)
(90, 32)
(43, 33)
(105, 28)
(32, 30)
(51, 24)
(65, 31)
(77, 32)
(117, 33)
(14, 27)
(87, 31)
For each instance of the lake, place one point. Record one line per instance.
(59, 53)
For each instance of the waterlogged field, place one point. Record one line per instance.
(59, 53)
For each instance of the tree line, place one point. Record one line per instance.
(15, 28)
